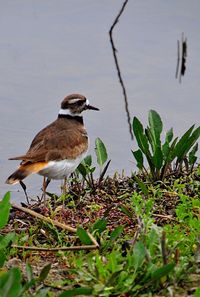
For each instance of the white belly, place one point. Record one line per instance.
(61, 169)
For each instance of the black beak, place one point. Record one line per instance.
(91, 107)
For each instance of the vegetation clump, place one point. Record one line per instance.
(128, 236)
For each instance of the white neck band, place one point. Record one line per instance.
(67, 112)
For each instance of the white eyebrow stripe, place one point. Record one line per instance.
(74, 100)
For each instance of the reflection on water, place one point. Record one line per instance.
(49, 49)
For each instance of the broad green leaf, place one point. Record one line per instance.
(139, 254)
(158, 158)
(166, 145)
(140, 136)
(85, 166)
(142, 185)
(100, 225)
(116, 233)
(197, 292)
(29, 272)
(5, 240)
(142, 141)
(82, 169)
(126, 211)
(149, 136)
(82, 291)
(156, 126)
(152, 241)
(83, 236)
(4, 209)
(10, 283)
(179, 149)
(163, 271)
(185, 143)
(193, 138)
(169, 135)
(3, 258)
(139, 158)
(44, 272)
(165, 150)
(169, 155)
(101, 152)
(88, 160)
(30, 277)
(192, 157)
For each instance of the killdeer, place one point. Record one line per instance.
(57, 150)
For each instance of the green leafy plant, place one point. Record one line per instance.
(160, 156)
(5, 240)
(142, 268)
(101, 152)
(4, 209)
(13, 285)
(11, 281)
(86, 169)
(113, 274)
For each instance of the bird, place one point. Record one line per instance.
(58, 149)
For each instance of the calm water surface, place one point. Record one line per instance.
(49, 49)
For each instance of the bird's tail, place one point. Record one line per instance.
(17, 176)
(23, 171)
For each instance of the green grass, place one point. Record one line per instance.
(147, 227)
(149, 244)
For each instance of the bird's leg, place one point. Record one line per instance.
(46, 182)
(64, 192)
(24, 189)
(65, 186)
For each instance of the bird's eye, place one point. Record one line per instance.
(79, 103)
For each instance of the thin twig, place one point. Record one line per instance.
(49, 220)
(114, 50)
(167, 217)
(69, 248)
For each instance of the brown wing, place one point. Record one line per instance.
(60, 140)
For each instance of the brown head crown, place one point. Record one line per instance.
(72, 99)
(74, 104)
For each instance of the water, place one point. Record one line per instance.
(49, 49)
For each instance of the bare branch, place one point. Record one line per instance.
(114, 50)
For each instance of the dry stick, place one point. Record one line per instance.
(56, 223)
(71, 248)
(167, 217)
(117, 66)
(46, 219)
